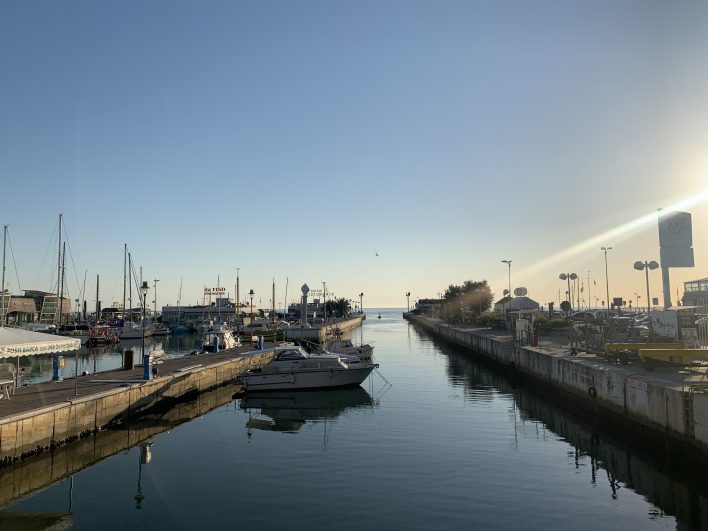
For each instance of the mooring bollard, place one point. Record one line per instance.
(147, 367)
(57, 365)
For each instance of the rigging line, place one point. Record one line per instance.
(50, 244)
(73, 264)
(12, 255)
(71, 256)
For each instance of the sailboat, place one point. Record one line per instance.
(180, 327)
(130, 329)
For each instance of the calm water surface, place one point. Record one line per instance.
(449, 445)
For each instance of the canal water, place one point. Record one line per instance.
(435, 440)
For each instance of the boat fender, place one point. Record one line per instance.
(592, 392)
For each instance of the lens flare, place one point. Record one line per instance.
(620, 233)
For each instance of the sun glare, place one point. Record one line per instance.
(619, 233)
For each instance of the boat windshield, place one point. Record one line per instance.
(291, 354)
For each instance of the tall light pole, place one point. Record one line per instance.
(251, 308)
(607, 281)
(324, 299)
(408, 300)
(155, 280)
(646, 266)
(144, 289)
(508, 263)
(361, 302)
(569, 277)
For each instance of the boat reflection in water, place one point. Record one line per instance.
(288, 411)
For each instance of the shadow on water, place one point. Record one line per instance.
(616, 460)
(289, 411)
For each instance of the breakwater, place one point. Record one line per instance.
(670, 406)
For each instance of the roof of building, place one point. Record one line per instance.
(516, 303)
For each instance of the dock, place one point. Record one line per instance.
(668, 404)
(321, 332)
(42, 416)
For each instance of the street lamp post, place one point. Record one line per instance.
(144, 289)
(361, 302)
(251, 308)
(154, 314)
(508, 263)
(646, 266)
(568, 277)
(324, 299)
(408, 300)
(607, 281)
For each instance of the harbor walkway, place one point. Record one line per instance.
(36, 396)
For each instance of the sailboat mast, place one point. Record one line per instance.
(125, 257)
(130, 286)
(83, 294)
(2, 288)
(58, 310)
(238, 302)
(97, 309)
(61, 289)
(273, 318)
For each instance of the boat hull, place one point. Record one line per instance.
(315, 379)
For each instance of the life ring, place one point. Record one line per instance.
(592, 392)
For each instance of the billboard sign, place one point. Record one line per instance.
(676, 239)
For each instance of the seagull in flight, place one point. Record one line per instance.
(376, 253)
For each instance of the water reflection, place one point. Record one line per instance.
(609, 462)
(289, 411)
(37, 472)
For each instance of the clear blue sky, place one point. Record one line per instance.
(294, 140)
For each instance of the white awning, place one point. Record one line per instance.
(19, 342)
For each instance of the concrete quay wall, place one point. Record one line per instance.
(40, 429)
(674, 411)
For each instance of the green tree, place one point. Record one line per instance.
(338, 307)
(472, 297)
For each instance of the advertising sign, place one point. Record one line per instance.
(676, 239)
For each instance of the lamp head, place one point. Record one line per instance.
(638, 265)
(144, 288)
(653, 264)
(573, 276)
(563, 276)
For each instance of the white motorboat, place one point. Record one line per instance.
(293, 367)
(220, 338)
(345, 346)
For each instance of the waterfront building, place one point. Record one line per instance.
(428, 306)
(220, 311)
(515, 304)
(695, 293)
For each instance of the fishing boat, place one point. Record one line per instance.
(292, 367)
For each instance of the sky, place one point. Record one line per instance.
(381, 147)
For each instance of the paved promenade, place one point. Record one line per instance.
(693, 377)
(38, 396)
